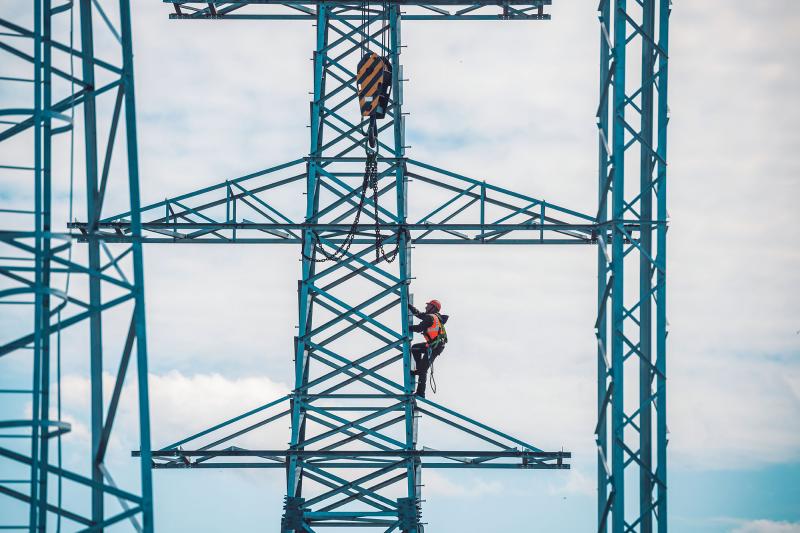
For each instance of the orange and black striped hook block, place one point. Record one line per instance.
(374, 79)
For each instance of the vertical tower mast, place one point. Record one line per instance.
(36, 261)
(336, 156)
(632, 120)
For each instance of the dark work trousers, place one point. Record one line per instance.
(420, 353)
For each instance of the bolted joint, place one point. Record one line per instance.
(409, 514)
(292, 521)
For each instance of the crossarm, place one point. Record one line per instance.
(412, 10)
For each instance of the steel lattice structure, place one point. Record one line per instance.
(632, 123)
(35, 258)
(353, 447)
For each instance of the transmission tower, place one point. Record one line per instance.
(66, 73)
(353, 416)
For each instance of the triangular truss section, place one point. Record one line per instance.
(354, 431)
(262, 207)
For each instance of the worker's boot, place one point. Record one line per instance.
(423, 378)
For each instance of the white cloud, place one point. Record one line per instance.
(768, 526)
(180, 405)
(576, 483)
(438, 484)
(731, 408)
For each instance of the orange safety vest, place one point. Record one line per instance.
(435, 330)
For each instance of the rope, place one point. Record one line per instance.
(433, 379)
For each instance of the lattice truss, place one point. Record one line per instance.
(354, 459)
(411, 10)
(61, 97)
(631, 323)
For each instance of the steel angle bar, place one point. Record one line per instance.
(460, 427)
(21, 496)
(451, 216)
(347, 310)
(398, 453)
(478, 424)
(371, 489)
(350, 261)
(122, 371)
(365, 270)
(495, 188)
(354, 324)
(100, 526)
(355, 484)
(60, 46)
(222, 186)
(355, 363)
(359, 436)
(356, 378)
(493, 201)
(448, 203)
(351, 424)
(360, 375)
(122, 502)
(351, 434)
(75, 267)
(71, 476)
(352, 494)
(30, 59)
(348, 198)
(27, 339)
(77, 99)
(348, 365)
(226, 423)
(357, 324)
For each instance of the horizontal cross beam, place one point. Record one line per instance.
(358, 453)
(412, 10)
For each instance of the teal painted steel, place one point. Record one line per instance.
(633, 111)
(350, 348)
(139, 316)
(28, 238)
(635, 321)
(664, 8)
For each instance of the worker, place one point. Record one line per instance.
(432, 328)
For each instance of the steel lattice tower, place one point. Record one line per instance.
(353, 440)
(35, 258)
(632, 124)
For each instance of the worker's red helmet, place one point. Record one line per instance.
(437, 304)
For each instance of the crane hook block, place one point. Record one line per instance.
(374, 80)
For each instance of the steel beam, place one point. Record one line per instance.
(633, 320)
(35, 257)
(631, 324)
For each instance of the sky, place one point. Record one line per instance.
(512, 103)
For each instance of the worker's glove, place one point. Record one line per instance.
(414, 310)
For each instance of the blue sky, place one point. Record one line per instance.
(734, 411)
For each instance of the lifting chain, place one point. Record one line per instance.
(374, 108)
(370, 182)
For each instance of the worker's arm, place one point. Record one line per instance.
(426, 322)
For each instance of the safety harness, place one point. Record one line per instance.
(435, 336)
